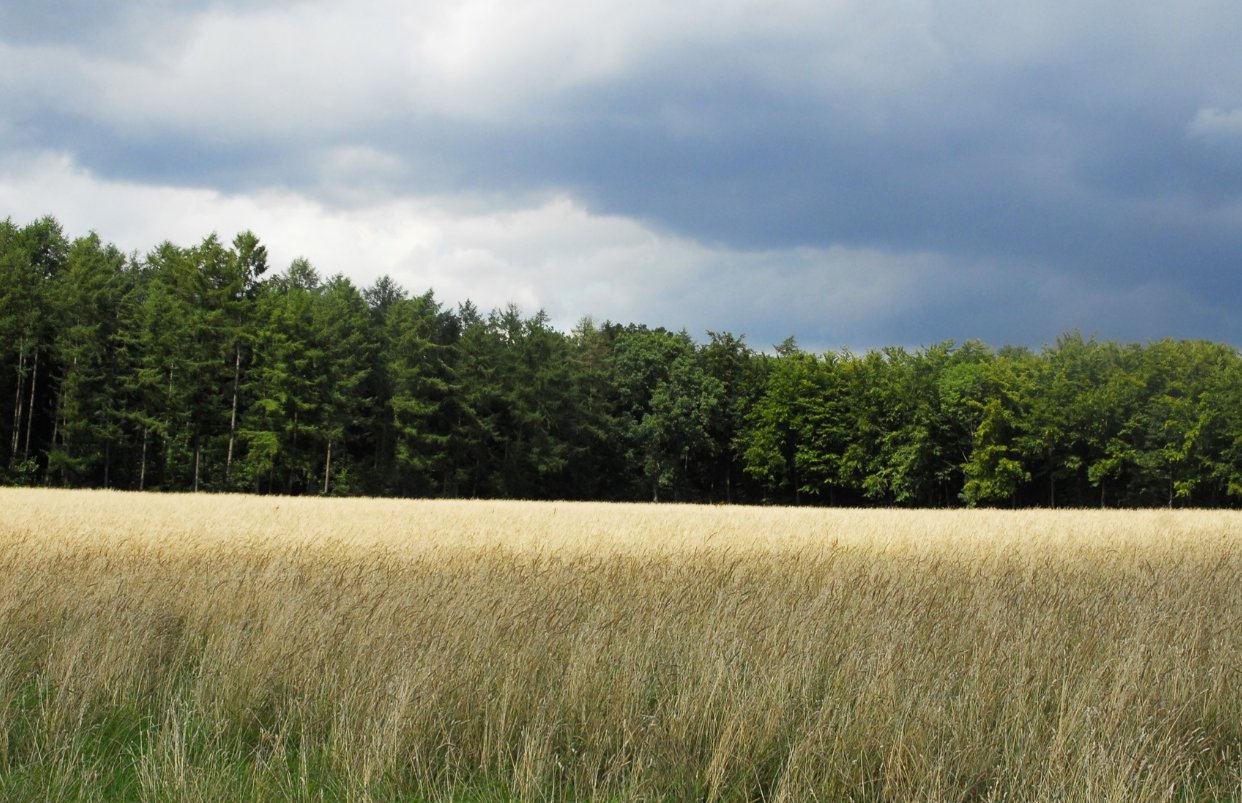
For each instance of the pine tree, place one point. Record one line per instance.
(90, 296)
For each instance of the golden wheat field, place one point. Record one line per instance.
(178, 647)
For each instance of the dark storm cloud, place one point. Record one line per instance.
(1021, 171)
(1115, 196)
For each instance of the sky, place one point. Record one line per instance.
(852, 173)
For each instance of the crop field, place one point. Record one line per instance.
(193, 647)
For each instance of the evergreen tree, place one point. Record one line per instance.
(420, 405)
(733, 364)
(341, 323)
(189, 370)
(597, 447)
(30, 259)
(90, 295)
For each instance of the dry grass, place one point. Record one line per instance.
(236, 648)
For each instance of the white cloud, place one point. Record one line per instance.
(325, 68)
(328, 72)
(1216, 124)
(551, 253)
(282, 73)
(902, 125)
(322, 67)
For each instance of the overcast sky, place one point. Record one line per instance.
(852, 173)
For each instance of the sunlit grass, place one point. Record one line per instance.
(237, 648)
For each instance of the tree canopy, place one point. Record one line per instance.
(195, 368)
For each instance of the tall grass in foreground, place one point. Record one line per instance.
(228, 648)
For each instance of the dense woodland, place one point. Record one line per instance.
(199, 369)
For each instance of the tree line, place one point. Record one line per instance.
(196, 369)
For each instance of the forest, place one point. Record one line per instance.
(200, 369)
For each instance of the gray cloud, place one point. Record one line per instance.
(1217, 125)
(1019, 171)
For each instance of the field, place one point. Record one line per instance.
(176, 647)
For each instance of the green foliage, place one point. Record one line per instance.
(669, 401)
(417, 367)
(194, 368)
(90, 299)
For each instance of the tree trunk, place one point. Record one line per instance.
(198, 450)
(167, 459)
(34, 380)
(17, 401)
(228, 461)
(60, 402)
(168, 433)
(327, 468)
(293, 445)
(142, 469)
